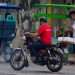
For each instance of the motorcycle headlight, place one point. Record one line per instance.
(24, 37)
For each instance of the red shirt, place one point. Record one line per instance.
(45, 33)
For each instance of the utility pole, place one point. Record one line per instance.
(49, 10)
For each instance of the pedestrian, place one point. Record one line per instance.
(72, 28)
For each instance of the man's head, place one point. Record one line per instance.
(72, 15)
(42, 20)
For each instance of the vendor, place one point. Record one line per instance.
(72, 17)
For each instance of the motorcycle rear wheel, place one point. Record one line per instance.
(51, 64)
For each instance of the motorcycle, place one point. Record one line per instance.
(52, 56)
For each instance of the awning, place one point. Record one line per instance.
(9, 6)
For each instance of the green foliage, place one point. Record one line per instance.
(52, 16)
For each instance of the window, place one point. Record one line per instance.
(69, 1)
(58, 1)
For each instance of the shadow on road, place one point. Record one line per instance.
(42, 72)
(6, 74)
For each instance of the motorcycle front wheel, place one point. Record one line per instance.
(55, 62)
(18, 60)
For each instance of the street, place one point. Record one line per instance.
(5, 69)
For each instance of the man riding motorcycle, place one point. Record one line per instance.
(45, 33)
(41, 51)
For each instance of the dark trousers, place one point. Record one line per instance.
(35, 47)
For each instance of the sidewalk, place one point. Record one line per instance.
(71, 59)
(2, 60)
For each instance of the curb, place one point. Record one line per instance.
(71, 62)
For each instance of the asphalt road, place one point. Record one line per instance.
(5, 69)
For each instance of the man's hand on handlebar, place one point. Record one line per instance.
(27, 33)
(31, 34)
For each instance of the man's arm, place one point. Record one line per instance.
(34, 34)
